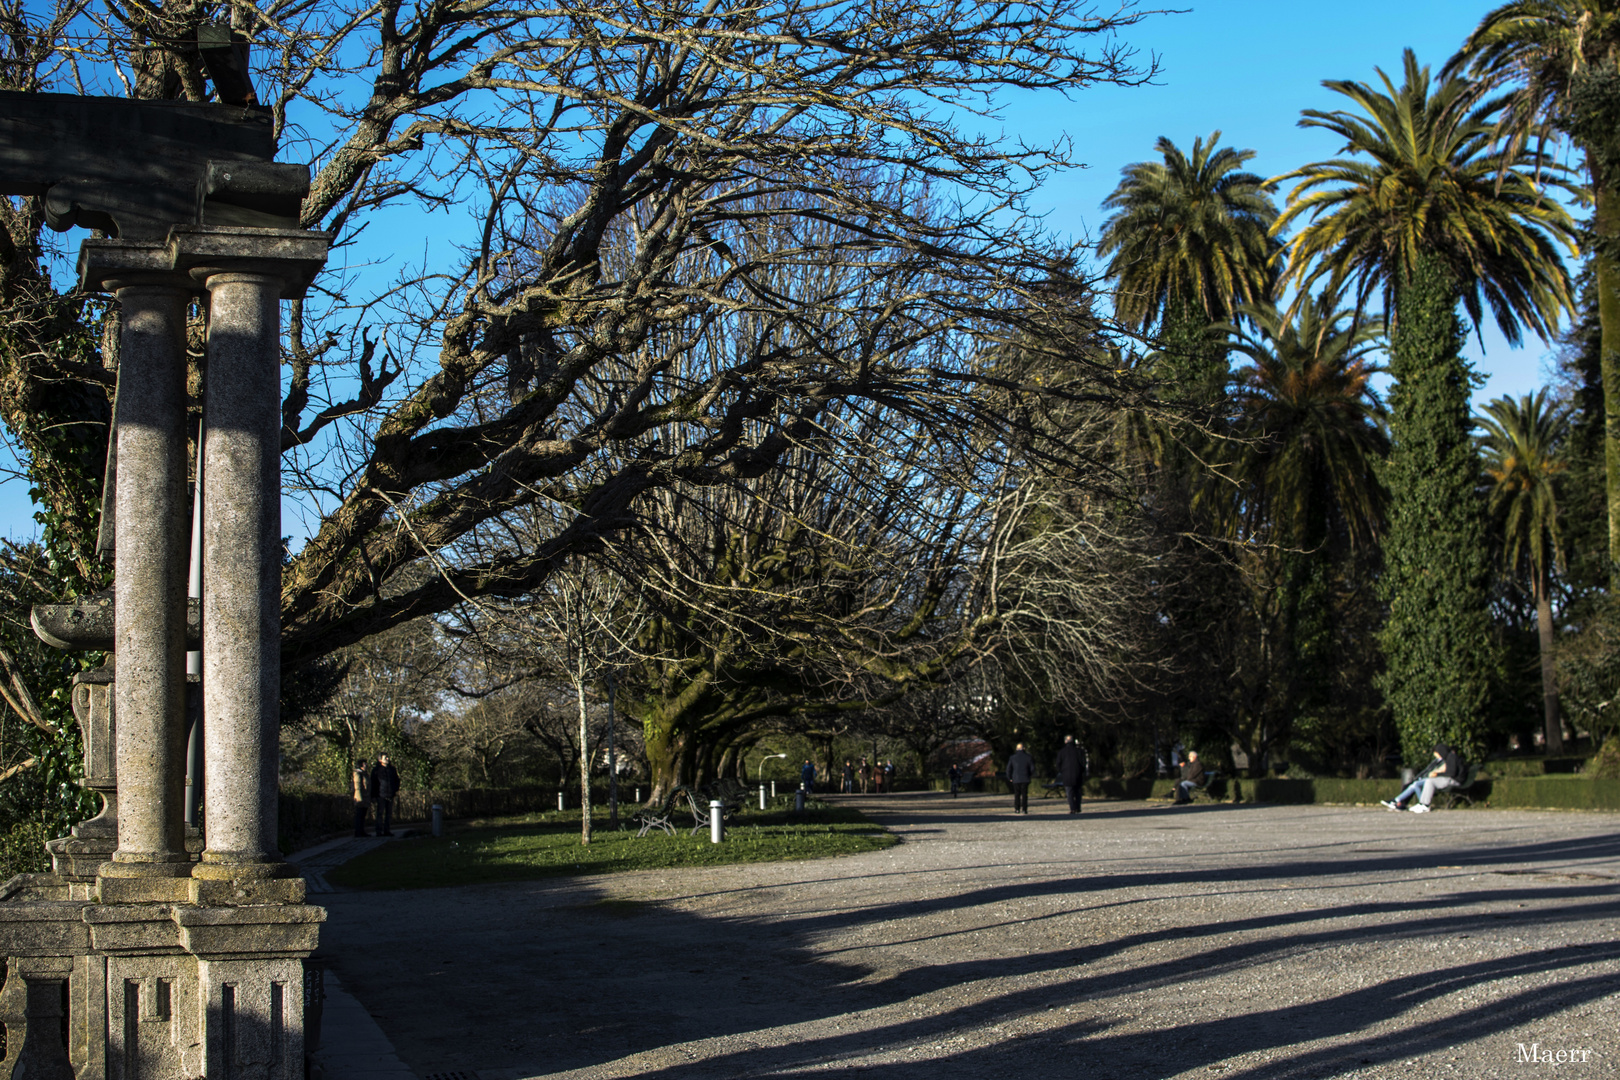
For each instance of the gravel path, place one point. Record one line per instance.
(1136, 941)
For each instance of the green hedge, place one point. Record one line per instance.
(1103, 788)
(1554, 793)
(1548, 792)
(1565, 792)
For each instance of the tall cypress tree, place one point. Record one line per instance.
(1434, 211)
(1438, 648)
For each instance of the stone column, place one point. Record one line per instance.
(241, 572)
(149, 621)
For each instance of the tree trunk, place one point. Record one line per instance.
(666, 753)
(1549, 671)
(1606, 224)
(584, 759)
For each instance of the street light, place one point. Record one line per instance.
(761, 778)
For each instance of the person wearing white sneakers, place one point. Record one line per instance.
(1441, 774)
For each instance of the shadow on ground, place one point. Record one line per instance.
(529, 980)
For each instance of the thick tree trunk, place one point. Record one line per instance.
(1549, 670)
(728, 762)
(666, 754)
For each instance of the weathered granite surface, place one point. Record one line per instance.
(177, 956)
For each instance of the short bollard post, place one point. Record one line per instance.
(762, 796)
(638, 794)
(438, 820)
(773, 789)
(798, 798)
(717, 820)
(560, 805)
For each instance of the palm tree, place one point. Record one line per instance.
(1431, 211)
(1314, 425)
(1439, 189)
(1561, 61)
(1311, 437)
(1189, 240)
(1521, 444)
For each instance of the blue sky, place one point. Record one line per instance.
(1246, 67)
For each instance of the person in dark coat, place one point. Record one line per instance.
(955, 775)
(1020, 771)
(384, 786)
(849, 777)
(1192, 774)
(361, 786)
(1443, 771)
(1071, 771)
(807, 776)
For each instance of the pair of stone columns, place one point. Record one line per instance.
(244, 274)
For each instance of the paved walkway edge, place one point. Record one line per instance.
(352, 1046)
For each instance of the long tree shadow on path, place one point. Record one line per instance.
(530, 980)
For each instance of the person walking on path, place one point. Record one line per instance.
(1192, 774)
(849, 777)
(1071, 771)
(807, 776)
(361, 785)
(384, 786)
(1020, 771)
(955, 775)
(1442, 772)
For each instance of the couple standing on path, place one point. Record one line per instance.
(378, 787)
(1071, 772)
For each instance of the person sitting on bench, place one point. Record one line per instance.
(1192, 775)
(1442, 773)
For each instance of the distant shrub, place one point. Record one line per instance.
(1606, 766)
(22, 850)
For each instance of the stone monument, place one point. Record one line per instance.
(148, 954)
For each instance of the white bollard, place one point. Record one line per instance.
(560, 805)
(762, 796)
(773, 789)
(638, 794)
(717, 820)
(438, 820)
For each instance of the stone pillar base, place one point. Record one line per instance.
(155, 991)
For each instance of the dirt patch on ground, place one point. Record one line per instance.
(1135, 941)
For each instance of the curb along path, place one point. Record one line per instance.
(352, 1046)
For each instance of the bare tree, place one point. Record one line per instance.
(613, 171)
(485, 733)
(578, 628)
(391, 684)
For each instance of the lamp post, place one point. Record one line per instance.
(761, 776)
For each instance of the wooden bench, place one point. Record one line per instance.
(1210, 776)
(661, 816)
(731, 794)
(1458, 793)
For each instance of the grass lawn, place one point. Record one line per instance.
(544, 845)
